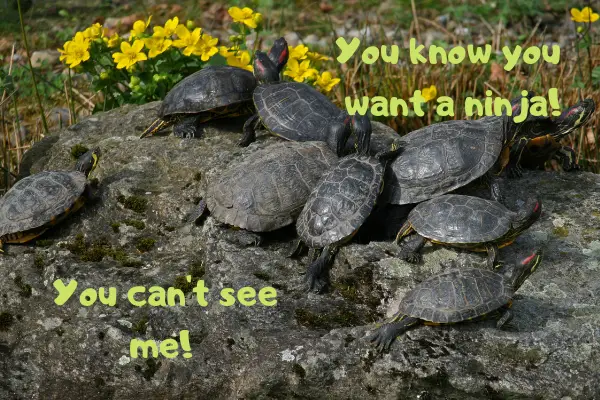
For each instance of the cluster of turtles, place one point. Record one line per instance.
(329, 185)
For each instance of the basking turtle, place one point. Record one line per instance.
(213, 92)
(267, 190)
(458, 295)
(466, 222)
(339, 204)
(296, 111)
(42, 200)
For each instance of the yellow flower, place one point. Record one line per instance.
(75, 51)
(585, 15)
(187, 39)
(130, 54)
(206, 47)
(139, 27)
(326, 82)
(157, 45)
(113, 41)
(429, 93)
(226, 52)
(300, 72)
(94, 31)
(168, 30)
(243, 15)
(240, 60)
(314, 56)
(298, 52)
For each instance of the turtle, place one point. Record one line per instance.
(267, 190)
(465, 222)
(40, 201)
(339, 204)
(210, 93)
(458, 295)
(443, 157)
(297, 111)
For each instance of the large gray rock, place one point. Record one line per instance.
(308, 345)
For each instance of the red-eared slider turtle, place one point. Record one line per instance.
(458, 295)
(339, 204)
(296, 111)
(213, 92)
(466, 222)
(40, 201)
(267, 190)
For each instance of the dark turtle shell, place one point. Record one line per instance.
(442, 157)
(457, 295)
(35, 200)
(210, 88)
(461, 219)
(341, 201)
(295, 111)
(267, 190)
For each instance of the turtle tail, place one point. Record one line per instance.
(2, 245)
(156, 126)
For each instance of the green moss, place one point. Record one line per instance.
(115, 227)
(561, 231)
(263, 276)
(44, 243)
(140, 326)
(197, 176)
(6, 321)
(78, 150)
(24, 289)
(197, 271)
(328, 320)
(513, 354)
(182, 284)
(135, 223)
(95, 251)
(38, 262)
(134, 203)
(169, 228)
(145, 244)
(151, 367)
(596, 214)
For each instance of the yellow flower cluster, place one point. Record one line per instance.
(586, 15)
(299, 68)
(75, 51)
(245, 16)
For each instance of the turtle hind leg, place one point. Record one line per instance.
(250, 127)
(155, 126)
(385, 336)
(492, 257)
(317, 275)
(567, 158)
(411, 248)
(187, 127)
(196, 215)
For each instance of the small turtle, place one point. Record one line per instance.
(296, 111)
(458, 295)
(466, 222)
(40, 201)
(213, 92)
(267, 190)
(339, 204)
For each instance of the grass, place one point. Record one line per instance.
(524, 22)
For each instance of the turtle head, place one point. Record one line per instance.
(338, 135)
(88, 161)
(265, 70)
(527, 215)
(573, 117)
(361, 126)
(279, 53)
(523, 269)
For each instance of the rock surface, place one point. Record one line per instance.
(308, 345)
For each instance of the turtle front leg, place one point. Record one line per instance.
(492, 256)
(187, 127)
(317, 271)
(513, 167)
(567, 158)
(504, 319)
(197, 212)
(496, 187)
(250, 127)
(385, 336)
(411, 248)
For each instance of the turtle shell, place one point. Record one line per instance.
(442, 157)
(35, 200)
(341, 201)
(210, 88)
(268, 189)
(295, 111)
(461, 219)
(457, 295)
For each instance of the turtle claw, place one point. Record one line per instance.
(515, 171)
(411, 256)
(316, 284)
(383, 338)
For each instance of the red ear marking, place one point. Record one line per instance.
(573, 111)
(283, 55)
(515, 107)
(528, 259)
(537, 207)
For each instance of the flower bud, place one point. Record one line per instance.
(104, 75)
(190, 24)
(135, 81)
(579, 29)
(258, 18)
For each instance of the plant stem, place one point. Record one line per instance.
(72, 102)
(37, 94)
